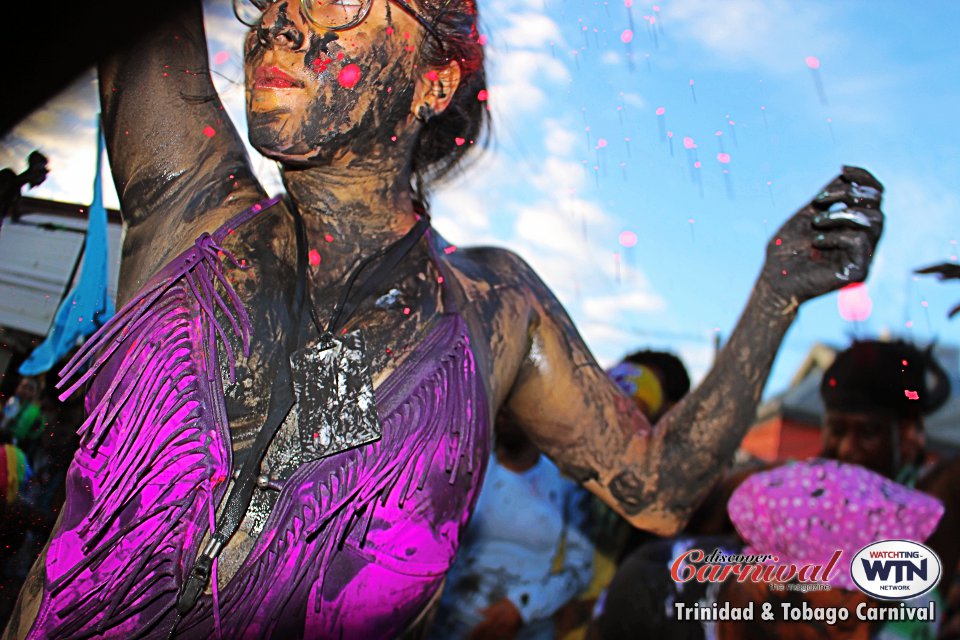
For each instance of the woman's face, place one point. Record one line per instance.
(313, 95)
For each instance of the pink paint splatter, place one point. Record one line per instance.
(449, 250)
(723, 158)
(626, 36)
(697, 165)
(911, 395)
(628, 239)
(349, 76)
(482, 39)
(854, 303)
(431, 76)
(601, 143)
(483, 95)
(628, 3)
(328, 237)
(688, 143)
(661, 111)
(459, 141)
(314, 256)
(389, 31)
(813, 62)
(209, 131)
(221, 57)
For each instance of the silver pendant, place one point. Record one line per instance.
(336, 408)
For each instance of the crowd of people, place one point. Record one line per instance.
(38, 438)
(401, 438)
(542, 558)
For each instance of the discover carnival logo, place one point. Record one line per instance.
(895, 569)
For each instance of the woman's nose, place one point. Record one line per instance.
(282, 24)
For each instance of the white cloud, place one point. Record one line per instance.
(607, 307)
(611, 57)
(770, 34)
(528, 30)
(559, 140)
(634, 100)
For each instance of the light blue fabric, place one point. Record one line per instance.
(88, 306)
(516, 533)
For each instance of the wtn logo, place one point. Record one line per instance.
(895, 569)
(903, 570)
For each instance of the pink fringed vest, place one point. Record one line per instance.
(357, 543)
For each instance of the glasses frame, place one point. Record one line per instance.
(361, 16)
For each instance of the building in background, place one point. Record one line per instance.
(40, 258)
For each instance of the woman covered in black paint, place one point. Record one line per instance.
(366, 104)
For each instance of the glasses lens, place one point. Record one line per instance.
(336, 14)
(249, 12)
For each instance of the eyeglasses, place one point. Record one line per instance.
(334, 15)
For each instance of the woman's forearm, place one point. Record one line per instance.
(698, 437)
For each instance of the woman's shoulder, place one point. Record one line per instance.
(491, 267)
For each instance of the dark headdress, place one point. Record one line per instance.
(885, 376)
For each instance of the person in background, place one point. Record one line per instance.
(23, 417)
(669, 370)
(802, 513)
(876, 395)
(525, 553)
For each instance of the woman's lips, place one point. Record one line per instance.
(274, 78)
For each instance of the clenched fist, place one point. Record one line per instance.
(829, 243)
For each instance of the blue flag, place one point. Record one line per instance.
(88, 306)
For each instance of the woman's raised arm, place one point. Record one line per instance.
(179, 165)
(656, 476)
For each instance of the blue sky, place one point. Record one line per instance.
(579, 155)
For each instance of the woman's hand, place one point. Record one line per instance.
(829, 243)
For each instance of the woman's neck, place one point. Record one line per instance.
(350, 211)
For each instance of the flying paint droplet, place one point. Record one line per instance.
(688, 143)
(813, 62)
(349, 76)
(911, 395)
(314, 256)
(628, 239)
(482, 39)
(209, 131)
(328, 238)
(483, 95)
(601, 143)
(432, 76)
(626, 36)
(661, 111)
(628, 3)
(459, 141)
(221, 57)
(854, 303)
(723, 158)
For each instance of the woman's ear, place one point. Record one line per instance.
(435, 90)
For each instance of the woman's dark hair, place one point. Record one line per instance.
(437, 153)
